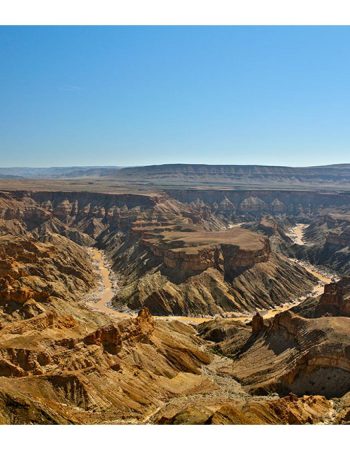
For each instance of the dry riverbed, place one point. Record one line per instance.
(100, 299)
(296, 234)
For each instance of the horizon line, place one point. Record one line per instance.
(167, 164)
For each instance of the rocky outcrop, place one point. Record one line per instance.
(185, 263)
(257, 323)
(335, 301)
(339, 240)
(233, 259)
(93, 371)
(178, 269)
(286, 410)
(108, 337)
(33, 272)
(294, 354)
(237, 260)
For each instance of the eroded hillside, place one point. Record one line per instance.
(66, 359)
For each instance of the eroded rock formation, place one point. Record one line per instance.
(336, 299)
(61, 361)
(292, 354)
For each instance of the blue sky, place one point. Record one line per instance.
(152, 95)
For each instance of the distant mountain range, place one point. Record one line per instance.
(57, 172)
(234, 171)
(170, 175)
(236, 176)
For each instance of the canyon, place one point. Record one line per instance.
(141, 303)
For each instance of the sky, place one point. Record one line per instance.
(127, 96)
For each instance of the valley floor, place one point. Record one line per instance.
(297, 233)
(100, 299)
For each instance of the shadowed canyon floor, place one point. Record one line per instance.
(202, 307)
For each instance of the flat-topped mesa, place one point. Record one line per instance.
(238, 259)
(335, 300)
(192, 262)
(193, 251)
(146, 229)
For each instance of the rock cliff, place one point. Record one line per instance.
(292, 354)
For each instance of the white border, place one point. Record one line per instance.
(173, 437)
(180, 12)
(171, 12)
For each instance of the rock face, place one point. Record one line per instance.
(256, 203)
(336, 299)
(293, 354)
(257, 323)
(184, 263)
(191, 251)
(333, 302)
(237, 260)
(80, 216)
(109, 337)
(85, 369)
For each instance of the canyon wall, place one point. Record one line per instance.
(250, 203)
(237, 260)
(233, 259)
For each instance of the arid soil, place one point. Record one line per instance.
(202, 307)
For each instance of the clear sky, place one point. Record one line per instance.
(152, 95)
